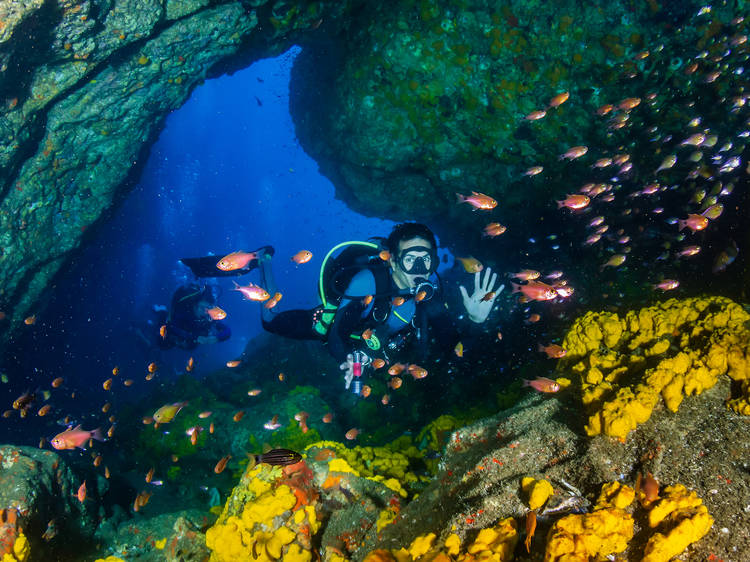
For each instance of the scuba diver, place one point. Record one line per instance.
(377, 298)
(192, 319)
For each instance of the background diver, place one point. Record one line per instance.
(193, 318)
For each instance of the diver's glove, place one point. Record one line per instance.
(479, 304)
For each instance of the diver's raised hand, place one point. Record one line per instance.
(479, 304)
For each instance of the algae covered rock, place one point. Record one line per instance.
(38, 490)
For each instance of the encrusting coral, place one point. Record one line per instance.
(684, 520)
(604, 531)
(671, 350)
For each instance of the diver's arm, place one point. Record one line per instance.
(349, 314)
(346, 322)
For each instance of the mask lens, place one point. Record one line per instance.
(410, 261)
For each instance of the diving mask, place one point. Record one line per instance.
(413, 263)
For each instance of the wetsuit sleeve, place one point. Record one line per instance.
(349, 315)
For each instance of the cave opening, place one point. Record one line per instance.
(226, 173)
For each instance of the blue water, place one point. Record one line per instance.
(227, 173)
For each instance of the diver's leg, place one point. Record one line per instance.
(268, 283)
(294, 324)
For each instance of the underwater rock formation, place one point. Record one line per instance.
(371, 503)
(170, 537)
(38, 490)
(84, 90)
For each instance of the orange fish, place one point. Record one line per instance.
(629, 103)
(238, 416)
(303, 256)
(193, 437)
(384, 255)
(152, 367)
(216, 313)
(395, 383)
(693, 222)
(398, 301)
(352, 434)
(533, 318)
(44, 410)
(385, 400)
(417, 372)
(150, 475)
(30, 320)
(459, 349)
(574, 152)
(106, 385)
(190, 364)
(106, 472)
(115, 371)
(494, 229)
(210, 429)
(576, 201)
(533, 171)
(478, 200)
(667, 284)
(282, 377)
(378, 363)
(328, 418)
(273, 423)
(221, 465)
(526, 275)
(204, 415)
(420, 296)
(111, 431)
(367, 300)
(542, 384)
(535, 290)
(252, 292)
(106, 407)
(471, 265)
(147, 420)
(127, 382)
(604, 109)
(141, 500)
(254, 392)
(396, 369)
(97, 460)
(530, 528)
(57, 382)
(301, 417)
(76, 437)
(488, 297)
(559, 99)
(233, 363)
(235, 260)
(81, 493)
(365, 392)
(149, 376)
(553, 351)
(273, 301)
(367, 334)
(7, 413)
(163, 331)
(536, 115)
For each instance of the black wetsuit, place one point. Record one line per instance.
(409, 323)
(184, 327)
